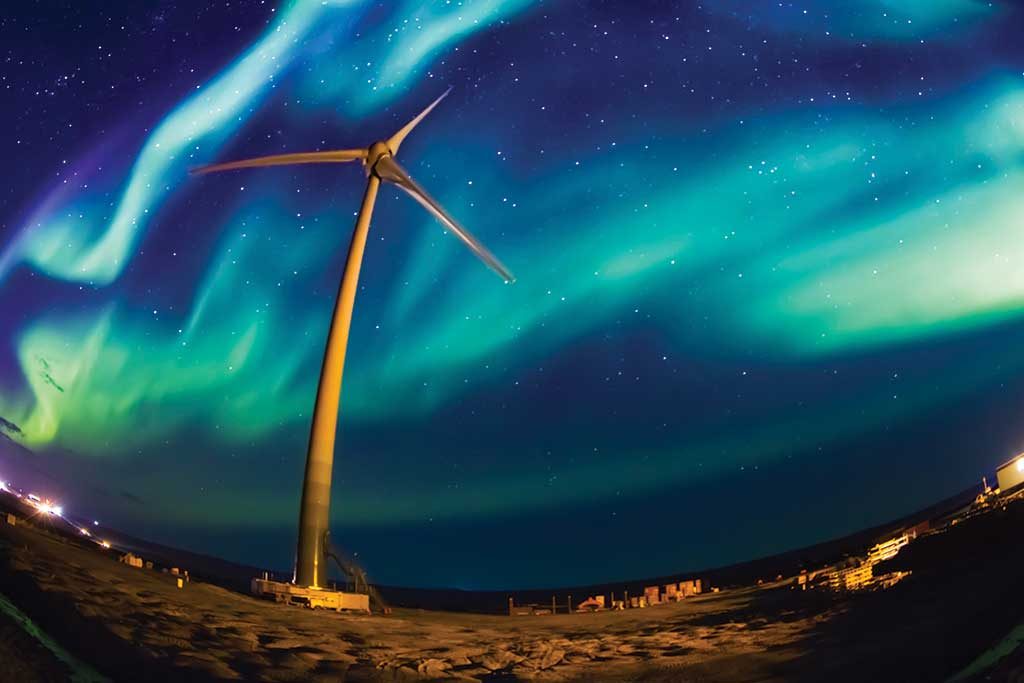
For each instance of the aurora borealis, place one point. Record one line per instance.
(768, 271)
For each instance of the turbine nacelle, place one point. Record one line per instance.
(374, 154)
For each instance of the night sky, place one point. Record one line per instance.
(768, 257)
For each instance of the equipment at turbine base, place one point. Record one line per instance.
(356, 581)
(314, 598)
(380, 165)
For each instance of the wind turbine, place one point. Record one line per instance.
(380, 165)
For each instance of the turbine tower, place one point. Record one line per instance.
(380, 165)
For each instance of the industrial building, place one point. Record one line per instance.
(1010, 474)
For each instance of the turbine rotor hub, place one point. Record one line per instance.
(374, 154)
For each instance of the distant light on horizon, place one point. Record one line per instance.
(49, 508)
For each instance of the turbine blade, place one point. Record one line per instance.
(395, 141)
(388, 169)
(331, 157)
